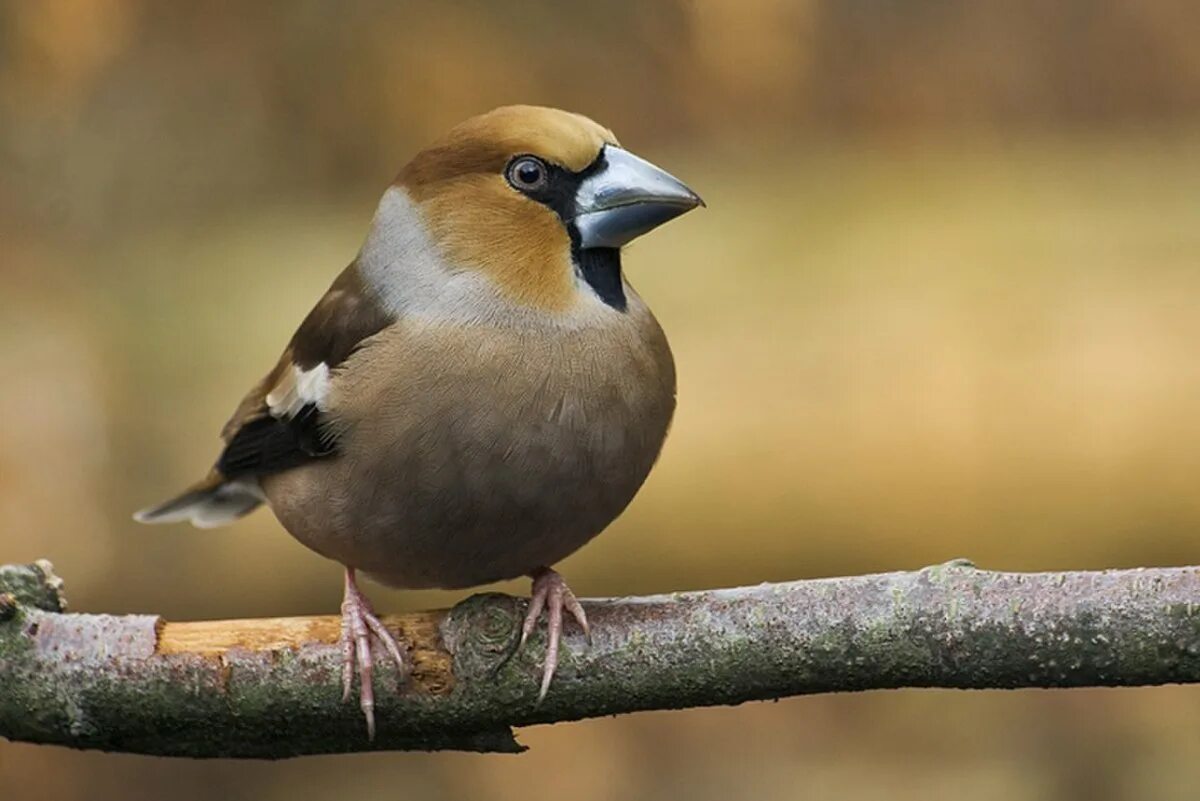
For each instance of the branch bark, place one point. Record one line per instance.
(271, 688)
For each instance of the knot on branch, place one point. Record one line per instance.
(482, 632)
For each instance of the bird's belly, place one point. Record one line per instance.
(477, 481)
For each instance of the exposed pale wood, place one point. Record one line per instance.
(431, 668)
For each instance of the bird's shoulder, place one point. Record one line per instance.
(280, 423)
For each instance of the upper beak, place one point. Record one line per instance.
(625, 198)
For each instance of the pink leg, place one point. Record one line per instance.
(358, 624)
(550, 592)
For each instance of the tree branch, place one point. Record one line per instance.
(271, 688)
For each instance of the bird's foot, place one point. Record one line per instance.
(358, 624)
(550, 592)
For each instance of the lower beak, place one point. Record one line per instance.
(626, 197)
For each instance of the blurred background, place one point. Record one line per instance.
(944, 302)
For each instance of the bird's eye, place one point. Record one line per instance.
(527, 173)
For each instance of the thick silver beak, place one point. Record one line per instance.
(625, 198)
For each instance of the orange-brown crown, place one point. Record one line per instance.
(486, 143)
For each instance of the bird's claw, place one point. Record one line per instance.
(550, 592)
(358, 624)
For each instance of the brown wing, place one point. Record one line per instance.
(279, 424)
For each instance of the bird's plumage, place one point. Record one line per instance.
(480, 392)
(476, 394)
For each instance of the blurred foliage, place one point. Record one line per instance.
(943, 303)
(119, 109)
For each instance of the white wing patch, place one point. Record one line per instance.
(298, 389)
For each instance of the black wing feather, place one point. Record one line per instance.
(269, 444)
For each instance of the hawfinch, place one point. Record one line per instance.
(480, 392)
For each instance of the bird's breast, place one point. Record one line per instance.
(476, 454)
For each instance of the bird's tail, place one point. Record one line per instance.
(215, 501)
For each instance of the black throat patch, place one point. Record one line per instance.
(601, 268)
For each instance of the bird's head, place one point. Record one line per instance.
(537, 203)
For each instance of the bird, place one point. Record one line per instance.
(479, 393)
